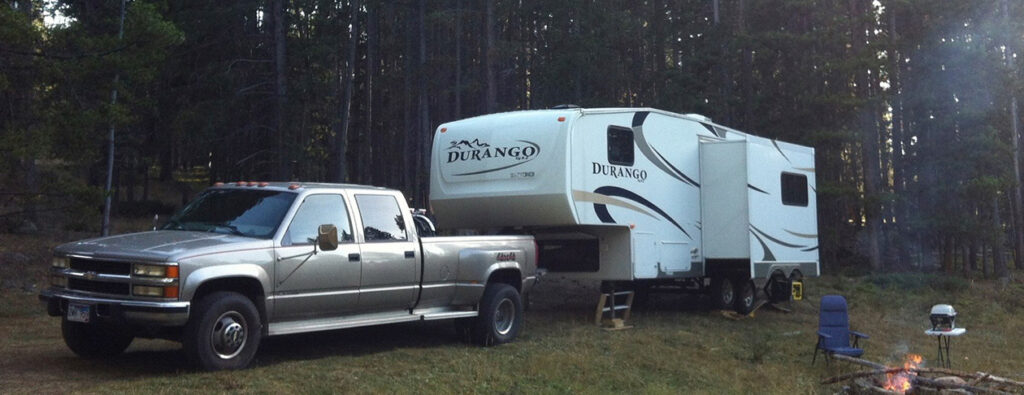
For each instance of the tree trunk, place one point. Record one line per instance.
(422, 164)
(998, 261)
(458, 59)
(869, 144)
(747, 72)
(341, 142)
(373, 149)
(489, 61)
(280, 91)
(972, 256)
(947, 254)
(1018, 209)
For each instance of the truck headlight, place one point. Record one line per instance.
(142, 290)
(60, 262)
(155, 270)
(155, 292)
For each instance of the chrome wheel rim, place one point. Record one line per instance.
(748, 296)
(727, 294)
(504, 316)
(228, 335)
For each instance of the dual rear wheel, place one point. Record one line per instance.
(736, 293)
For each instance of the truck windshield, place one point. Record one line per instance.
(233, 211)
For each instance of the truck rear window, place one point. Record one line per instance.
(382, 218)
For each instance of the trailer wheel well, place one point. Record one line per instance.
(507, 276)
(249, 287)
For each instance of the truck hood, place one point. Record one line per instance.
(161, 245)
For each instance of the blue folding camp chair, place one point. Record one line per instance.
(834, 334)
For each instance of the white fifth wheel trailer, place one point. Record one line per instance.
(636, 197)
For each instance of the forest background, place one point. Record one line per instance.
(911, 105)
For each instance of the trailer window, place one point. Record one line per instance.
(620, 146)
(794, 189)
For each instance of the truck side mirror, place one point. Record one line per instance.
(327, 237)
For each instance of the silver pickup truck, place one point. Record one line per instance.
(248, 260)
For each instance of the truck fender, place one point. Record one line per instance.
(502, 266)
(244, 270)
(475, 267)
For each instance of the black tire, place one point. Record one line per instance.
(776, 289)
(95, 340)
(501, 316)
(723, 294)
(746, 295)
(223, 332)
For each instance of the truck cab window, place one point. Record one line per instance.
(794, 189)
(382, 218)
(620, 146)
(318, 210)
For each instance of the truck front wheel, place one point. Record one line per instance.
(95, 340)
(501, 315)
(223, 333)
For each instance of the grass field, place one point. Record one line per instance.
(677, 345)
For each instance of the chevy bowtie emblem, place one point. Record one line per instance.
(90, 275)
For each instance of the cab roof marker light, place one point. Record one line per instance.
(240, 183)
(561, 119)
(294, 186)
(218, 184)
(263, 184)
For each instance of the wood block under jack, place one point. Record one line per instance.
(616, 324)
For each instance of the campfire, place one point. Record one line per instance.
(911, 379)
(901, 381)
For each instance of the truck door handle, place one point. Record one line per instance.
(410, 254)
(353, 257)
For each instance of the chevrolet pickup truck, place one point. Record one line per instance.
(247, 260)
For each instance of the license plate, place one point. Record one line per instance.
(79, 312)
(798, 290)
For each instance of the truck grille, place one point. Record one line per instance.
(99, 266)
(98, 286)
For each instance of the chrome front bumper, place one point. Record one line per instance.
(133, 312)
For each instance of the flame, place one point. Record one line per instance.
(901, 381)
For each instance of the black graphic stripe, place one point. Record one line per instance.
(602, 213)
(768, 256)
(685, 179)
(623, 193)
(639, 117)
(757, 189)
(809, 249)
(710, 129)
(777, 241)
(776, 144)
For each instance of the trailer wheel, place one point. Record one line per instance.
(95, 340)
(223, 333)
(501, 316)
(723, 296)
(746, 295)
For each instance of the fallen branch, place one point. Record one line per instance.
(873, 365)
(863, 373)
(941, 385)
(979, 379)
